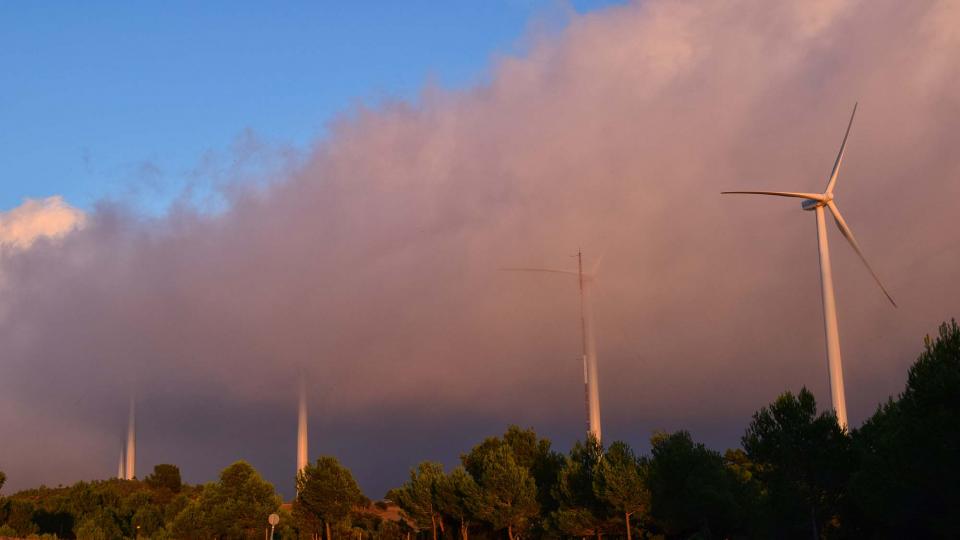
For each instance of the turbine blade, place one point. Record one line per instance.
(814, 196)
(596, 265)
(848, 234)
(570, 272)
(836, 164)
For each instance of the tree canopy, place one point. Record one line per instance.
(326, 494)
(621, 484)
(420, 497)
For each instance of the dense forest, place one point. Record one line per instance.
(796, 475)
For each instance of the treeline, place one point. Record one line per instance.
(159, 506)
(796, 475)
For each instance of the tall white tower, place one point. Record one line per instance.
(120, 473)
(591, 383)
(590, 370)
(302, 428)
(130, 469)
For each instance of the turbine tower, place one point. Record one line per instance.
(302, 429)
(816, 202)
(120, 473)
(591, 385)
(130, 469)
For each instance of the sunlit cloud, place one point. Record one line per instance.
(50, 217)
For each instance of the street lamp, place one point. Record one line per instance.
(273, 520)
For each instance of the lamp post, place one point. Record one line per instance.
(273, 520)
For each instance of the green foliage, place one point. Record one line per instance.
(581, 512)
(287, 529)
(99, 525)
(20, 516)
(147, 519)
(620, 484)
(165, 476)
(508, 492)
(909, 452)
(3, 480)
(191, 523)
(236, 506)
(458, 498)
(326, 494)
(419, 497)
(803, 459)
(176, 505)
(531, 452)
(691, 489)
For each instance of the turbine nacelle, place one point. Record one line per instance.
(812, 204)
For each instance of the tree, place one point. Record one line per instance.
(620, 483)
(234, 507)
(240, 501)
(20, 516)
(419, 497)
(580, 511)
(165, 476)
(909, 452)
(529, 451)
(147, 520)
(101, 525)
(178, 504)
(459, 498)
(803, 460)
(748, 491)
(191, 523)
(326, 494)
(3, 479)
(508, 493)
(691, 491)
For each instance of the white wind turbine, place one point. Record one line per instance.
(590, 376)
(130, 466)
(302, 428)
(816, 202)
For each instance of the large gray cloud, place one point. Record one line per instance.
(372, 265)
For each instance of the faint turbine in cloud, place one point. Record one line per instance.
(591, 385)
(302, 458)
(130, 469)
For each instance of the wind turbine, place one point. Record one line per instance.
(130, 468)
(590, 377)
(120, 473)
(302, 428)
(816, 202)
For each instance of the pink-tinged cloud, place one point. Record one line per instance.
(38, 218)
(373, 264)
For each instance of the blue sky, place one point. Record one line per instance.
(122, 99)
